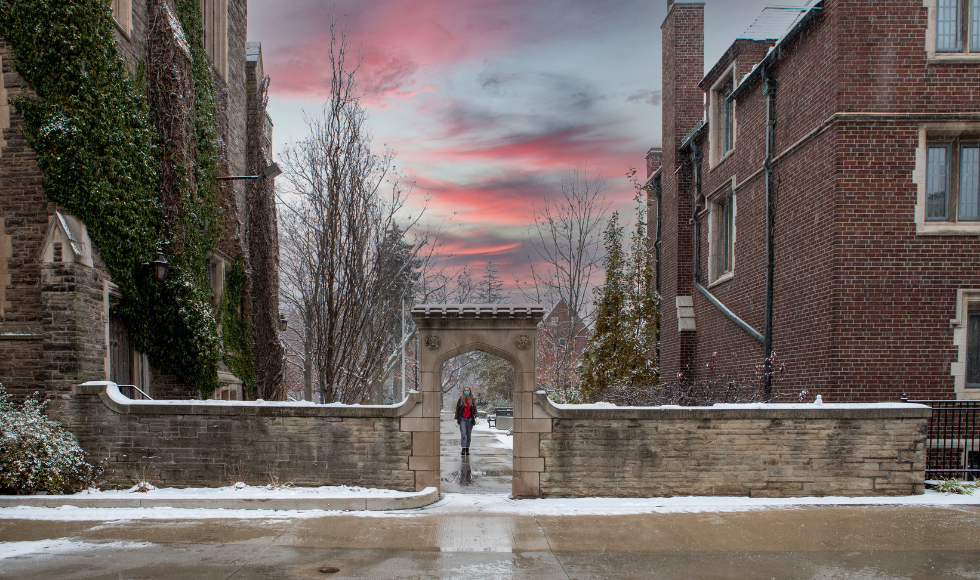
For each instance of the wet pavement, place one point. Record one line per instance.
(487, 469)
(832, 542)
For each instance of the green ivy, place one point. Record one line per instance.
(92, 129)
(236, 332)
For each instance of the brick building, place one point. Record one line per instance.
(56, 327)
(873, 184)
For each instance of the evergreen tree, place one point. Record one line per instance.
(622, 350)
(600, 361)
(491, 284)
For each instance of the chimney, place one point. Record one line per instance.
(683, 68)
(654, 159)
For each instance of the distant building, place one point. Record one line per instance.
(875, 177)
(562, 337)
(56, 326)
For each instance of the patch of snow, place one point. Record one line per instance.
(775, 406)
(241, 490)
(60, 546)
(505, 441)
(498, 504)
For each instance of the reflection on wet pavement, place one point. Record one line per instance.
(487, 469)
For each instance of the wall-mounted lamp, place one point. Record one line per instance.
(159, 266)
(271, 171)
(282, 322)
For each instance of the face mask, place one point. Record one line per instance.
(467, 393)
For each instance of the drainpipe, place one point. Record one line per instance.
(658, 191)
(696, 163)
(770, 85)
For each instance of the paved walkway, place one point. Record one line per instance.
(488, 468)
(826, 543)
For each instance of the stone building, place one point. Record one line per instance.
(57, 327)
(867, 113)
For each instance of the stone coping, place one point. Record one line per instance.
(785, 411)
(410, 500)
(113, 398)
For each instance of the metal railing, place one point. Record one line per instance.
(131, 390)
(953, 443)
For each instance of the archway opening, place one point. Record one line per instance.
(487, 466)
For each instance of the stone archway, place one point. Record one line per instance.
(505, 330)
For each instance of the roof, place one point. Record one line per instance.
(773, 23)
(798, 24)
(693, 133)
(478, 310)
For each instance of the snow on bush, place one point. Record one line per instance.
(36, 453)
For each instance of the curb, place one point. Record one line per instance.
(416, 500)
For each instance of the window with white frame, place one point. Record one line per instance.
(214, 18)
(973, 348)
(953, 180)
(721, 126)
(721, 236)
(947, 176)
(953, 28)
(966, 339)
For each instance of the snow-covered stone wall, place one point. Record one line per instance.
(212, 443)
(751, 450)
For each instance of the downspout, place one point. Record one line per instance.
(696, 163)
(769, 87)
(658, 191)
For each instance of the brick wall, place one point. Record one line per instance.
(683, 64)
(212, 444)
(862, 303)
(844, 450)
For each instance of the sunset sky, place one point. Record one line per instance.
(487, 102)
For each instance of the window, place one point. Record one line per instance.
(721, 126)
(214, 18)
(973, 350)
(122, 13)
(721, 236)
(947, 176)
(953, 181)
(727, 118)
(966, 340)
(954, 29)
(958, 26)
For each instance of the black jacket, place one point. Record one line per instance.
(459, 409)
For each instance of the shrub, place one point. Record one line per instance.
(36, 453)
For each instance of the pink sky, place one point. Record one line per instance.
(487, 102)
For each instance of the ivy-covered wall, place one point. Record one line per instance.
(137, 167)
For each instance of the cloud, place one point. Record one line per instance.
(646, 96)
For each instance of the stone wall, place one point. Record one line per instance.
(213, 443)
(738, 450)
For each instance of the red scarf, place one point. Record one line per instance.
(466, 407)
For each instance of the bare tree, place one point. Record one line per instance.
(341, 210)
(564, 252)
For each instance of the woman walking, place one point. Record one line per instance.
(465, 418)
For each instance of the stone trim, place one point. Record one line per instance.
(788, 412)
(964, 299)
(119, 403)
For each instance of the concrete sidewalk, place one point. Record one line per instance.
(408, 500)
(866, 542)
(488, 468)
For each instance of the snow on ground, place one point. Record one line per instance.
(456, 503)
(61, 546)
(504, 439)
(242, 491)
